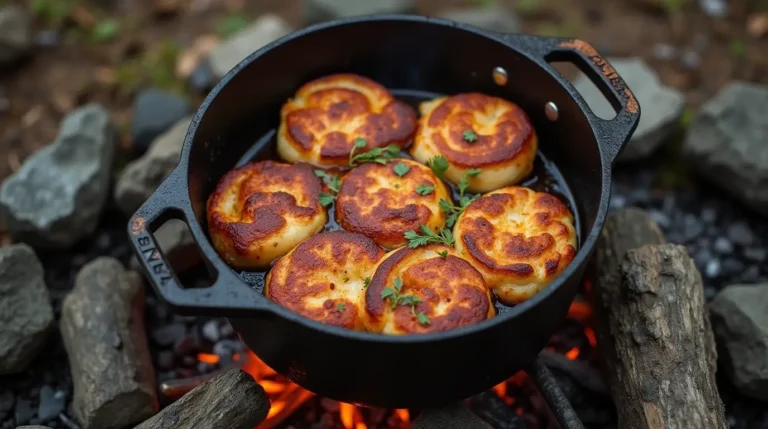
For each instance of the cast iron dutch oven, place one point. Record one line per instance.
(414, 55)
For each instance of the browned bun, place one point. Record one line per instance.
(505, 145)
(452, 292)
(323, 278)
(261, 210)
(320, 123)
(520, 240)
(378, 203)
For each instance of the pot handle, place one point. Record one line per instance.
(228, 296)
(612, 134)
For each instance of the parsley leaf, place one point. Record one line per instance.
(473, 172)
(387, 292)
(334, 184)
(340, 307)
(463, 185)
(410, 300)
(401, 169)
(443, 254)
(424, 189)
(423, 318)
(397, 283)
(376, 155)
(438, 164)
(326, 199)
(397, 299)
(366, 282)
(360, 142)
(469, 136)
(428, 236)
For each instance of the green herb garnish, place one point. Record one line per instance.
(326, 199)
(452, 212)
(366, 282)
(424, 189)
(469, 136)
(377, 154)
(340, 307)
(401, 169)
(396, 298)
(464, 182)
(333, 183)
(428, 236)
(438, 164)
(443, 254)
(423, 318)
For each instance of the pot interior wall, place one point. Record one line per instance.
(399, 54)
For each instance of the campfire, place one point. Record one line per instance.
(289, 402)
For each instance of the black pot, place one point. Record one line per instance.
(416, 54)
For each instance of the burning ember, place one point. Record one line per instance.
(291, 404)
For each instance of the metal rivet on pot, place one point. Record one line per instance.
(500, 76)
(550, 109)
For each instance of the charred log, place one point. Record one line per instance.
(231, 400)
(102, 325)
(653, 331)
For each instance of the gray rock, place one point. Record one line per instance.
(229, 53)
(455, 416)
(26, 314)
(712, 269)
(727, 143)
(324, 10)
(662, 106)
(202, 78)
(714, 8)
(57, 196)
(15, 35)
(48, 38)
(664, 51)
(141, 177)
(155, 112)
(740, 324)
(52, 402)
(494, 18)
(723, 245)
(740, 233)
(691, 60)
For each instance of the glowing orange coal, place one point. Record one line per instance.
(286, 397)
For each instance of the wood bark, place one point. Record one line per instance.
(653, 330)
(452, 416)
(231, 400)
(102, 325)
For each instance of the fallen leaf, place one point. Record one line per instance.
(757, 25)
(190, 58)
(164, 8)
(83, 17)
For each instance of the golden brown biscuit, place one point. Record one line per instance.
(376, 201)
(320, 123)
(323, 278)
(260, 211)
(477, 131)
(449, 293)
(520, 240)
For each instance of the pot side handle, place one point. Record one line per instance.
(227, 297)
(612, 134)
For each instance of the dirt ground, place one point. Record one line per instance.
(93, 62)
